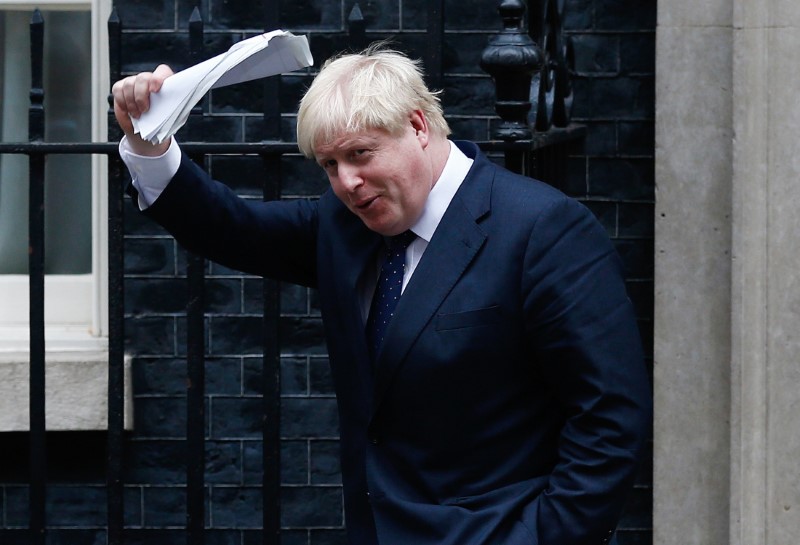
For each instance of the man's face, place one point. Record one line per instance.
(382, 178)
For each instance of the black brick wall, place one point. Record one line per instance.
(614, 83)
(612, 172)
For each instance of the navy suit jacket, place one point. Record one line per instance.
(509, 402)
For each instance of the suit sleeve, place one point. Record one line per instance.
(584, 337)
(274, 239)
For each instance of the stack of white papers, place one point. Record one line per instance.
(257, 57)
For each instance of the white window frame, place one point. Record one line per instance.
(76, 306)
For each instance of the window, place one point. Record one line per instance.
(76, 90)
(68, 118)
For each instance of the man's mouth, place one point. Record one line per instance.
(363, 204)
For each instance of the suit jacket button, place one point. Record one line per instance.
(374, 439)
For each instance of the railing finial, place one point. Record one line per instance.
(357, 27)
(511, 11)
(511, 58)
(36, 110)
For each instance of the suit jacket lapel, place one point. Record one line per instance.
(454, 245)
(357, 248)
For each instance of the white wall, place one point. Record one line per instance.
(727, 318)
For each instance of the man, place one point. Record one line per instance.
(504, 400)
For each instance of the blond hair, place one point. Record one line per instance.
(375, 89)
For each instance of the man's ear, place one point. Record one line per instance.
(420, 125)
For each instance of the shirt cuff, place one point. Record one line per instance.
(150, 175)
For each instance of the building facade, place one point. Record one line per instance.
(611, 170)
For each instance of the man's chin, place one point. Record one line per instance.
(381, 228)
(377, 222)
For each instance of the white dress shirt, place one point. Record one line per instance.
(150, 175)
(455, 170)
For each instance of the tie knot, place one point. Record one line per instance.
(402, 240)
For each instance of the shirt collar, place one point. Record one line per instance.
(442, 193)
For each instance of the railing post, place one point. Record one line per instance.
(37, 402)
(357, 28)
(511, 58)
(195, 349)
(271, 382)
(272, 86)
(271, 368)
(433, 58)
(551, 89)
(565, 62)
(116, 303)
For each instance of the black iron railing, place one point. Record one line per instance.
(533, 139)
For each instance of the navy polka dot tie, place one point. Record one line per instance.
(387, 291)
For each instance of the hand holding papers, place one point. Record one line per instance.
(257, 57)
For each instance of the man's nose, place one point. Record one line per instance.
(350, 177)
